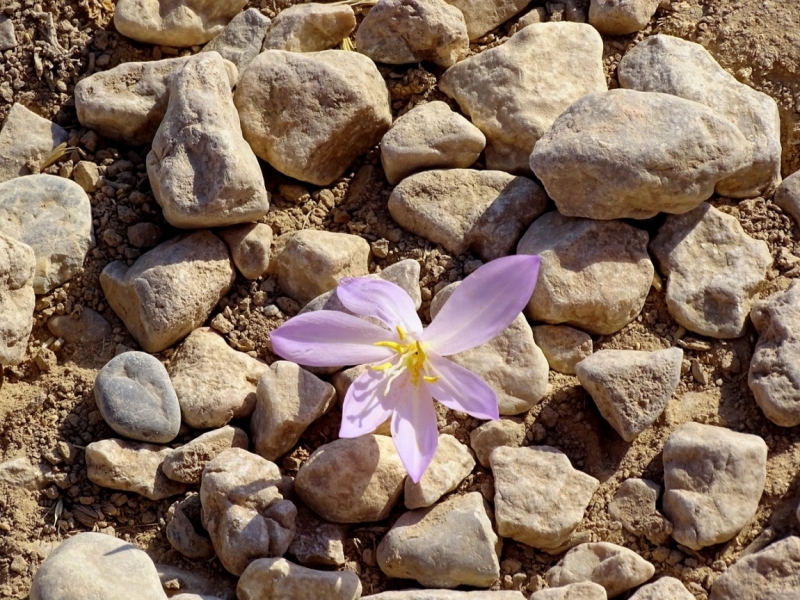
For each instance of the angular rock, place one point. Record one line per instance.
(53, 216)
(184, 529)
(186, 463)
(180, 24)
(787, 196)
(698, 251)
(316, 541)
(634, 505)
(627, 154)
(340, 109)
(310, 27)
(494, 434)
(17, 298)
(584, 590)
(594, 275)
(219, 586)
(773, 572)
(462, 209)
(398, 32)
(539, 497)
(214, 382)
(666, 587)
(450, 466)
(268, 578)
(20, 472)
(169, 291)
(563, 346)
(8, 38)
(131, 467)
(135, 396)
(202, 171)
(352, 480)
(84, 326)
(96, 565)
(240, 42)
(249, 246)
(621, 17)
(87, 175)
(446, 595)
(671, 65)
(144, 235)
(243, 510)
(26, 141)
(482, 16)
(616, 568)
(560, 61)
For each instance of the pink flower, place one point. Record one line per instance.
(407, 365)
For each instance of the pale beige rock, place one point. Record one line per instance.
(219, 586)
(26, 141)
(240, 42)
(87, 175)
(83, 326)
(20, 472)
(515, 91)
(340, 109)
(446, 595)
(450, 466)
(17, 299)
(634, 500)
(184, 527)
(594, 275)
(563, 346)
(310, 27)
(352, 480)
(131, 467)
(214, 382)
(316, 541)
(787, 196)
(773, 572)
(186, 463)
(698, 251)
(170, 290)
(482, 16)
(665, 588)
(621, 17)
(268, 578)
(584, 590)
(249, 246)
(494, 434)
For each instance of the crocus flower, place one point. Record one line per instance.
(407, 364)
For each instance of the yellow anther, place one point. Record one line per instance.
(431, 378)
(400, 348)
(400, 333)
(383, 367)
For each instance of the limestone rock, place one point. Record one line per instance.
(787, 196)
(698, 251)
(243, 510)
(621, 17)
(219, 586)
(8, 37)
(563, 346)
(714, 478)
(268, 578)
(594, 275)
(310, 27)
(634, 505)
(671, 65)
(515, 91)
(539, 497)
(446, 595)
(186, 463)
(773, 572)
(398, 32)
(249, 246)
(26, 141)
(584, 590)
(666, 587)
(463, 209)
(240, 42)
(87, 175)
(183, 527)
(316, 541)
(629, 154)
(84, 326)
(53, 216)
(17, 299)
(340, 109)
(451, 464)
(494, 434)
(352, 480)
(169, 291)
(202, 172)
(482, 16)
(19, 472)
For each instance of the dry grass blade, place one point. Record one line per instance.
(347, 44)
(56, 155)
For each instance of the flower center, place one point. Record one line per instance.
(412, 357)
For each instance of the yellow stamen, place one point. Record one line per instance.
(382, 367)
(401, 334)
(399, 348)
(431, 378)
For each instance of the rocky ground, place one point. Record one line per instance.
(48, 412)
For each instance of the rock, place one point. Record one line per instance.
(631, 388)
(560, 61)
(627, 154)
(17, 299)
(184, 530)
(494, 434)
(144, 235)
(19, 472)
(621, 17)
(773, 572)
(398, 32)
(594, 275)
(26, 140)
(584, 590)
(53, 216)
(316, 541)
(481, 16)
(219, 586)
(83, 326)
(667, 64)
(288, 400)
(511, 363)
(444, 546)
(310, 27)
(171, 290)
(186, 463)
(202, 172)
(698, 251)
(249, 246)
(135, 396)
(446, 595)
(713, 478)
(616, 568)
(8, 39)
(352, 480)
(128, 102)
(214, 382)
(243, 510)
(131, 467)
(87, 175)
(340, 109)
(451, 464)
(563, 346)
(429, 136)
(108, 568)
(462, 209)
(539, 497)
(666, 587)
(774, 376)
(634, 505)
(268, 578)
(787, 196)
(180, 24)
(312, 262)
(240, 42)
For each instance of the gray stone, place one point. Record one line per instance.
(629, 154)
(83, 326)
(8, 39)
(494, 434)
(219, 586)
(19, 472)
(515, 91)
(773, 572)
(268, 578)
(451, 464)
(186, 463)
(634, 505)
(584, 590)
(666, 588)
(26, 139)
(444, 546)
(316, 541)
(17, 299)
(240, 42)
(249, 246)
(184, 529)
(594, 275)
(482, 16)
(144, 235)
(53, 216)
(310, 27)
(446, 595)
(698, 251)
(621, 17)
(135, 396)
(787, 196)
(563, 346)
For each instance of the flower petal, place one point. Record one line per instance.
(414, 428)
(483, 305)
(329, 338)
(381, 299)
(365, 406)
(461, 389)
